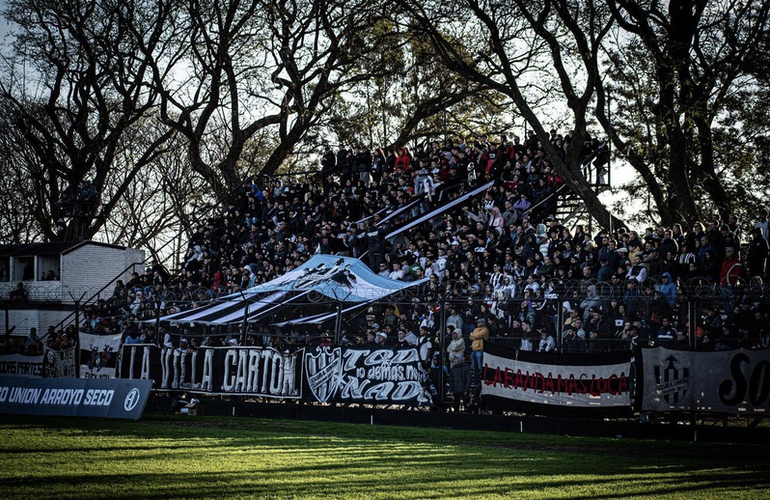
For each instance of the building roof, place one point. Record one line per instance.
(32, 249)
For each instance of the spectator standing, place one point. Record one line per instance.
(478, 336)
(758, 252)
(459, 382)
(457, 345)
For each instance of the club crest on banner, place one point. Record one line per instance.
(324, 372)
(339, 273)
(672, 380)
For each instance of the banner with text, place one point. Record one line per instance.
(99, 355)
(74, 397)
(21, 365)
(59, 363)
(735, 382)
(356, 375)
(140, 361)
(511, 378)
(243, 371)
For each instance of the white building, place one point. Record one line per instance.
(81, 270)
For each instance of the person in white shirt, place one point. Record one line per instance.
(547, 343)
(397, 273)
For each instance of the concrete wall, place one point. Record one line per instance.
(88, 268)
(84, 271)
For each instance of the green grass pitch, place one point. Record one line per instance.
(207, 457)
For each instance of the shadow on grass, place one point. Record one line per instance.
(175, 460)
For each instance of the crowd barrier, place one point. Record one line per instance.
(647, 379)
(658, 380)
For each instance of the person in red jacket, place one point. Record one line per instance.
(403, 161)
(729, 276)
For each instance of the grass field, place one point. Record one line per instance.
(206, 457)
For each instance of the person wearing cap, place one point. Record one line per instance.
(631, 334)
(380, 338)
(478, 336)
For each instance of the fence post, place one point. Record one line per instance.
(338, 323)
(692, 320)
(559, 325)
(245, 322)
(157, 321)
(441, 342)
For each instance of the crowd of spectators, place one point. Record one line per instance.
(502, 257)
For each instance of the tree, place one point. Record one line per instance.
(83, 93)
(416, 99)
(530, 52)
(681, 76)
(256, 66)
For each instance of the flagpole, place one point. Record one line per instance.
(338, 323)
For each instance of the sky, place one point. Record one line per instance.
(621, 172)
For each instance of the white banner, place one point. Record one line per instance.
(735, 382)
(98, 355)
(59, 363)
(556, 384)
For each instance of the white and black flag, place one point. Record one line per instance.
(357, 375)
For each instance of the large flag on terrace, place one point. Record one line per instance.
(342, 279)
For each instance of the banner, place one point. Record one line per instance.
(236, 371)
(140, 361)
(735, 382)
(586, 381)
(74, 397)
(59, 363)
(338, 278)
(21, 365)
(356, 375)
(99, 355)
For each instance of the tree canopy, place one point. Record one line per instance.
(108, 94)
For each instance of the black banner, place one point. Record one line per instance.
(244, 371)
(374, 376)
(74, 397)
(21, 365)
(733, 382)
(140, 362)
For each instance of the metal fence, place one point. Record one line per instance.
(579, 316)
